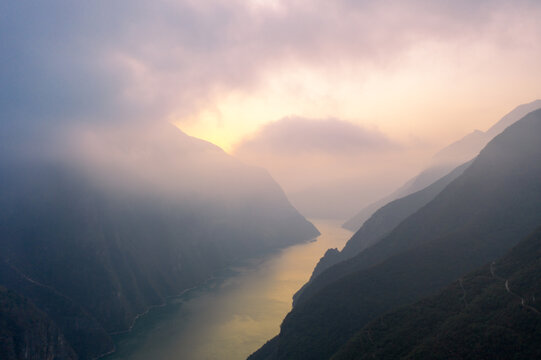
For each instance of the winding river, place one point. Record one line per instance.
(232, 315)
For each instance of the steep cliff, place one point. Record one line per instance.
(28, 333)
(95, 244)
(475, 219)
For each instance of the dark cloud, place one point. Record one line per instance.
(299, 136)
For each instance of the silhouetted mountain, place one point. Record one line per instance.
(475, 219)
(93, 246)
(444, 161)
(382, 223)
(492, 313)
(28, 333)
(419, 182)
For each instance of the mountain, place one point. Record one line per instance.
(419, 182)
(143, 214)
(518, 113)
(491, 313)
(475, 219)
(26, 330)
(444, 161)
(382, 223)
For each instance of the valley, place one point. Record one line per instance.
(232, 314)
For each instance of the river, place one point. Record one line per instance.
(233, 314)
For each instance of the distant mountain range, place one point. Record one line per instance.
(476, 218)
(86, 246)
(392, 212)
(444, 162)
(383, 221)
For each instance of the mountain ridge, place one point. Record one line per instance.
(127, 241)
(475, 219)
(444, 161)
(494, 305)
(381, 223)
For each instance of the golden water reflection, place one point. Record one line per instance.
(230, 317)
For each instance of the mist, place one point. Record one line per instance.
(94, 86)
(153, 150)
(330, 167)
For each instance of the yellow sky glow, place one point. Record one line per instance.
(435, 93)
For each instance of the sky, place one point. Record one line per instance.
(341, 101)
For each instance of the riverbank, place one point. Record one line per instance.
(233, 314)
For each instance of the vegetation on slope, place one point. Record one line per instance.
(477, 218)
(492, 313)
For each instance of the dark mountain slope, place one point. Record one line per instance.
(445, 160)
(385, 220)
(93, 247)
(478, 217)
(507, 163)
(391, 215)
(424, 179)
(516, 114)
(78, 329)
(492, 313)
(28, 333)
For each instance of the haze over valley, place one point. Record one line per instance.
(269, 180)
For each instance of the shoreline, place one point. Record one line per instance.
(183, 292)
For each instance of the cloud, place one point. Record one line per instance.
(68, 64)
(65, 61)
(329, 166)
(293, 136)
